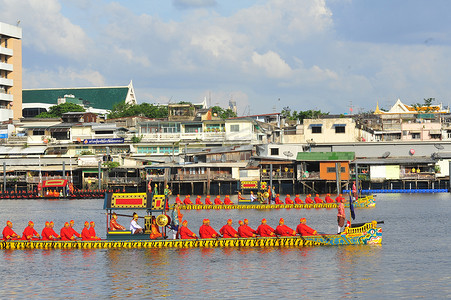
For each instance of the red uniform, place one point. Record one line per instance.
(85, 235)
(298, 200)
(318, 200)
(92, 233)
(227, 201)
(208, 201)
(228, 231)
(304, 230)
(339, 199)
(45, 234)
(308, 200)
(218, 201)
(52, 235)
(207, 232)
(265, 230)
(185, 233)
(198, 202)
(29, 233)
(248, 228)
(284, 230)
(244, 232)
(288, 200)
(277, 200)
(187, 201)
(114, 225)
(177, 200)
(72, 232)
(329, 199)
(9, 232)
(65, 234)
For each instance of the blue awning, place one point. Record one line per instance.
(316, 125)
(339, 125)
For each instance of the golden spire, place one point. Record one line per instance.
(377, 111)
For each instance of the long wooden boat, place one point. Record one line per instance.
(363, 202)
(365, 234)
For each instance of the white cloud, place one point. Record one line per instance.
(62, 77)
(272, 64)
(193, 3)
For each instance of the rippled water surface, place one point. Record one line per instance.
(413, 260)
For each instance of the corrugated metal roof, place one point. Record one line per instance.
(103, 97)
(22, 151)
(325, 156)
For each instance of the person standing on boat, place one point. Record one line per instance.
(265, 230)
(134, 226)
(228, 231)
(8, 232)
(30, 233)
(185, 233)
(176, 217)
(303, 229)
(114, 225)
(284, 230)
(341, 216)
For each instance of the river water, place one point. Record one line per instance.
(413, 260)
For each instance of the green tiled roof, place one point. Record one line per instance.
(323, 156)
(103, 98)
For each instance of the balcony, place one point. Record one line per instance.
(5, 114)
(6, 51)
(5, 97)
(6, 67)
(5, 81)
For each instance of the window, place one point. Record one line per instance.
(332, 169)
(415, 136)
(340, 129)
(316, 129)
(235, 128)
(274, 151)
(165, 149)
(38, 132)
(147, 150)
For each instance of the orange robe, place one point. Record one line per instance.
(85, 235)
(288, 200)
(65, 234)
(265, 230)
(114, 225)
(244, 232)
(329, 199)
(284, 230)
(207, 232)
(277, 200)
(208, 201)
(198, 202)
(154, 232)
(72, 232)
(218, 201)
(298, 200)
(29, 233)
(92, 233)
(308, 200)
(228, 231)
(185, 233)
(9, 232)
(187, 201)
(45, 234)
(318, 200)
(227, 201)
(304, 230)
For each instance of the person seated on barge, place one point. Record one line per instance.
(298, 200)
(308, 199)
(284, 230)
(154, 230)
(243, 230)
(187, 200)
(277, 199)
(92, 231)
(253, 197)
(65, 233)
(177, 199)
(227, 200)
(246, 223)
(206, 231)
(228, 231)
(303, 230)
(240, 197)
(339, 198)
(45, 231)
(329, 199)
(318, 199)
(30, 233)
(265, 230)
(198, 201)
(288, 199)
(85, 235)
(52, 235)
(8, 232)
(185, 233)
(72, 230)
(134, 226)
(208, 200)
(218, 200)
(114, 225)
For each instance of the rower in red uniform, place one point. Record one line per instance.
(85, 235)
(114, 225)
(228, 231)
(45, 231)
(65, 233)
(298, 200)
(206, 231)
(329, 199)
(265, 230)
(246, 224)
(187, 200)
(243, 231)
(303, 229)
(318, 199)
(72, 230)
(52, 235)
(185, 233)
(288, 200)
(8, 232)
(198, 202)
(218, 200)
(208, 200)
(284, 230)
(227, 200)
(92, 231)
(277, 199)
(308, 200)
(29, 233)
(177, 199)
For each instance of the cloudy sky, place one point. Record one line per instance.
(264, 54)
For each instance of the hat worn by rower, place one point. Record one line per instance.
(229, 221)
(303, 220)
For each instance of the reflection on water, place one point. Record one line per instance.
(415, 250)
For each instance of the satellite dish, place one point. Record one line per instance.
(386, 154)
(288, 154)
(439, 147)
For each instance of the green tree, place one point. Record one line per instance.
(223, 113)
(307, 114)
(425, 107)
(123, 109)
(58, 110)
